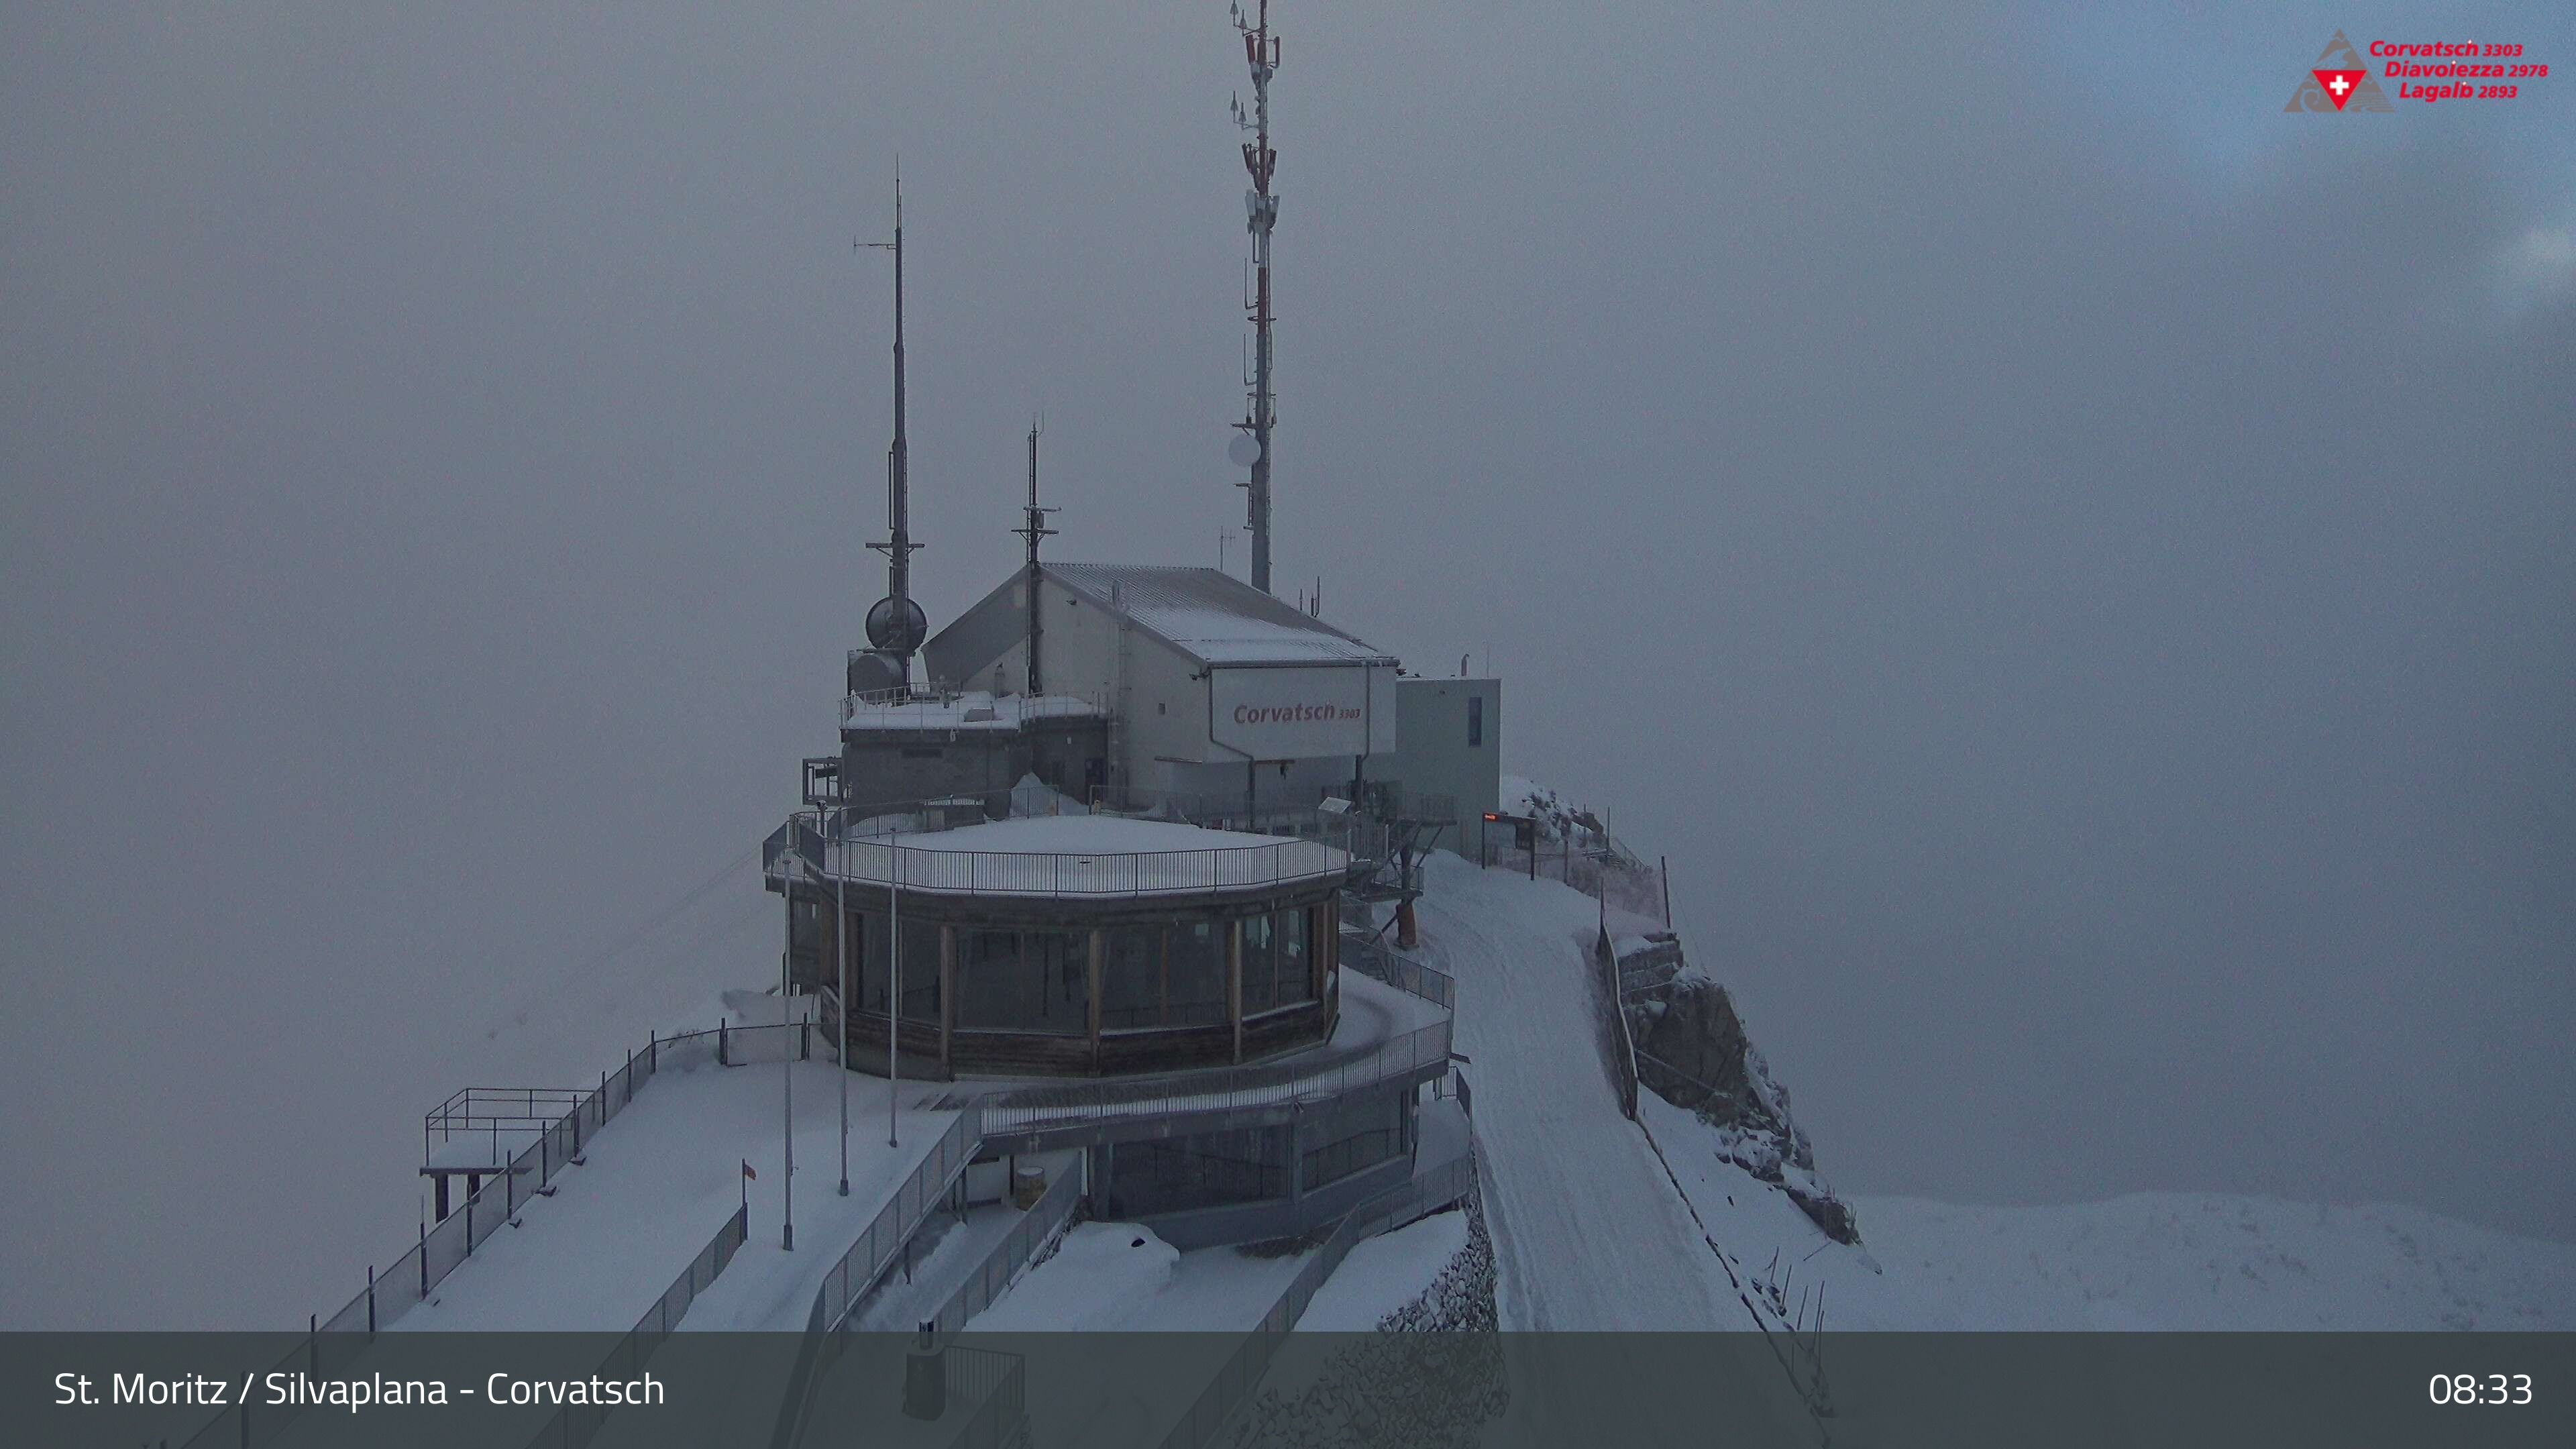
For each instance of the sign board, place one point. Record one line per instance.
(1302, 712)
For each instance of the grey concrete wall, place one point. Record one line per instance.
(1432, 755)
(1093, 655)
(879, 765)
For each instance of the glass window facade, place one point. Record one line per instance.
(1131, 978)
(1164, 973)
(1278, 961)
(920, 970)
(1036, 981)
(1355, 1136)
(868, 963)
(1213, 1169)
(1155, 975)
(1194, 973)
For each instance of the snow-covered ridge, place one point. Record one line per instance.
(2158, 1260)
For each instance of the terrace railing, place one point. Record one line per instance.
(866, 1260)
(336, 1341)
(1234, 1384)
(574, 1425)
(1050, 1215)
(997, 1384)
(1419, 1053)
(1362, 953)
(1093, 873)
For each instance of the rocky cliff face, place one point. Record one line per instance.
(1692, 1052)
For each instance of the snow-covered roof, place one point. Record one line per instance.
(1213, 616)
(971, 710)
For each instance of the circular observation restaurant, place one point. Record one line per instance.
(1073, 945)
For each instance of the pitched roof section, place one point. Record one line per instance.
(1213, 616)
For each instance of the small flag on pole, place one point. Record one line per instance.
(747, 1172)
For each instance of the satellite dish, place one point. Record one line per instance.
(1244, 451)
(897, 636)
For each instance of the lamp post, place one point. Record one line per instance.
(894, 968)
(787, 1058)
(841, 938)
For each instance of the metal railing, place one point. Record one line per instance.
(1423, 1050)
(1048, 1216)
(931, 814)
(1084, 873)
(884, 707)
(1362, 953)
(997, 1384)
(1037, 1109)
(1235, 1382)
(1623, 1042)
(574, 1425)
(335, 1341)
(866, 1259)
(493, 1111)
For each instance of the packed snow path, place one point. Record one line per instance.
(1588, 1230)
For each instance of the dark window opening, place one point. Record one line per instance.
(1354, 1137)
(1213, 1169)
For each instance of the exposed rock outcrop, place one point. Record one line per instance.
(1692, 1052)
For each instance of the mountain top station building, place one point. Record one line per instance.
(1210, 689)
(1124, 836)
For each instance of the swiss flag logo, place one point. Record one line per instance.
(2339, 84)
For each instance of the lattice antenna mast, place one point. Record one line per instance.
(896, 626)
(1033, 530)
(1261, 205)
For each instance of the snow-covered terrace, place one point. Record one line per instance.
(661, 1176)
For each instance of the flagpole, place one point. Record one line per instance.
(787, 1059)
(894, 1003)
(841, 937)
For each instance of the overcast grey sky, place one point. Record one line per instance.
(2073, 563)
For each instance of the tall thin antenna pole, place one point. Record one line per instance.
(1261, 205)
(787, 1066)
(841, 983)
(894, 966)
(1033, 530)
(896, 626)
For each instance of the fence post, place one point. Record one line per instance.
(723, 1054)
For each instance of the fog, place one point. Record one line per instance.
(2070, 562)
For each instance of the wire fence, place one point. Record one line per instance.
(1362, 953)
(1049, 1216)
(887, 1234)
(574, 1425)
(337, 1340)
(997, 1384)
(1066, 873)
(1423, 1050)
(1234, 1383)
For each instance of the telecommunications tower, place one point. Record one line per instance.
(1033, 530)
(1252, 446)
(896, 626)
